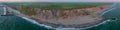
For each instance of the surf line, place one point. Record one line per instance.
(99, 23)
(5, 10)
(110, 9)
(33, 21)
(103, 14)
(90, 26)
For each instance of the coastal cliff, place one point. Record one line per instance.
(82, 17)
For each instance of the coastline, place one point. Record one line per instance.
(17, 13)
(103, 21)
(112, 7)
(56, 25)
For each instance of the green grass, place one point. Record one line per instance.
(28, 8)
(61, 6)
(28, 11)
(66, 6)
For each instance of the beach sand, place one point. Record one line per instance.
(74, 22)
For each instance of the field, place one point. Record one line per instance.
(60, 6)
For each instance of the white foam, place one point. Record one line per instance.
(33, 21)
(109, 9)
(49, 27)
(5, 10)
(98, 24)
(68, 29)
(90, 26)
(81, 28)
(103, 14)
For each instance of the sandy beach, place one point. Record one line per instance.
(73, 22)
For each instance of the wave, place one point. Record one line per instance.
(68, 29)
(46, 26)
(91, 26)
(103, 14)
(34, 22)
(4, 8)
(109, 9)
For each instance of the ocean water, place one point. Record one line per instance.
(111, 24)
(19, 23)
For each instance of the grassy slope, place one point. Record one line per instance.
(28, 8)
(60, 6)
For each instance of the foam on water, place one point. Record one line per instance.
(103, 14)
(33, 21)
(90, 26)
(109, 9)
(5, 11)
(68, 29)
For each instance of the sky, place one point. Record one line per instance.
(59, 0)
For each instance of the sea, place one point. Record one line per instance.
(23, 23)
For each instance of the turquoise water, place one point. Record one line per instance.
(18, 23)
(110, 25)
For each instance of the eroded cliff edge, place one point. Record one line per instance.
(67, 18)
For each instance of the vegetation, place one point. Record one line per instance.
(28, 11)
(29, 8)
(59, 6)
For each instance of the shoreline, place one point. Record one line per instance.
(101, 15)
(53, 25)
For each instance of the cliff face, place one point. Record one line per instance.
(68, 18)
(63, 14)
